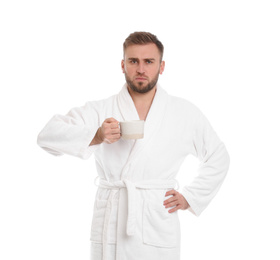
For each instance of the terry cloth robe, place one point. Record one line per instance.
(129, 219)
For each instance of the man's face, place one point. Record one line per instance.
(142, 66)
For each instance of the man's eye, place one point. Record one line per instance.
(149, 62)
(133, 61)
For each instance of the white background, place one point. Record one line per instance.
(221, 55)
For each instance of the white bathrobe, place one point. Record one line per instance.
(129, 219)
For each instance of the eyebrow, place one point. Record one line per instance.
(147, 59)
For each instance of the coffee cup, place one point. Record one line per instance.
(133, 129)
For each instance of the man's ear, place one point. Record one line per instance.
(162, 66)
(123, 66)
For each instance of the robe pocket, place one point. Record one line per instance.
(98, 219)
(160, 228)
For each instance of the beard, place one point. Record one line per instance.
(139, 87)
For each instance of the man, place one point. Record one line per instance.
(135, 212)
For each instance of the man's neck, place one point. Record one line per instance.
(142, 102)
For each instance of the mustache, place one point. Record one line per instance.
(142, 75)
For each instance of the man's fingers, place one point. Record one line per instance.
(108, 130)
(170, 192)
(111, 120)
(174, 209)
(172, 204)
(111, 125)
(177, 201)
(170, 200)
(114, 126)
(115, 131)
(113, 138)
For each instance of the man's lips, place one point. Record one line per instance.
(140, 78)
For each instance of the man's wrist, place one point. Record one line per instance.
(98, 139)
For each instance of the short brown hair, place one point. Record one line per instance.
(142, 38)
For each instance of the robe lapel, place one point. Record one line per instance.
(152, 124)
(126, 105)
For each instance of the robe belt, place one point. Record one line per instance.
(131, 194)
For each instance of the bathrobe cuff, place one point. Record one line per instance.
(193, 207)
(86, 149)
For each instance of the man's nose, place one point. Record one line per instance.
(141, 68)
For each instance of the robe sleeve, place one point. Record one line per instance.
(71, 133)
(214, 164)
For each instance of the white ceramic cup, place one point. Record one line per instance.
(133, 129)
